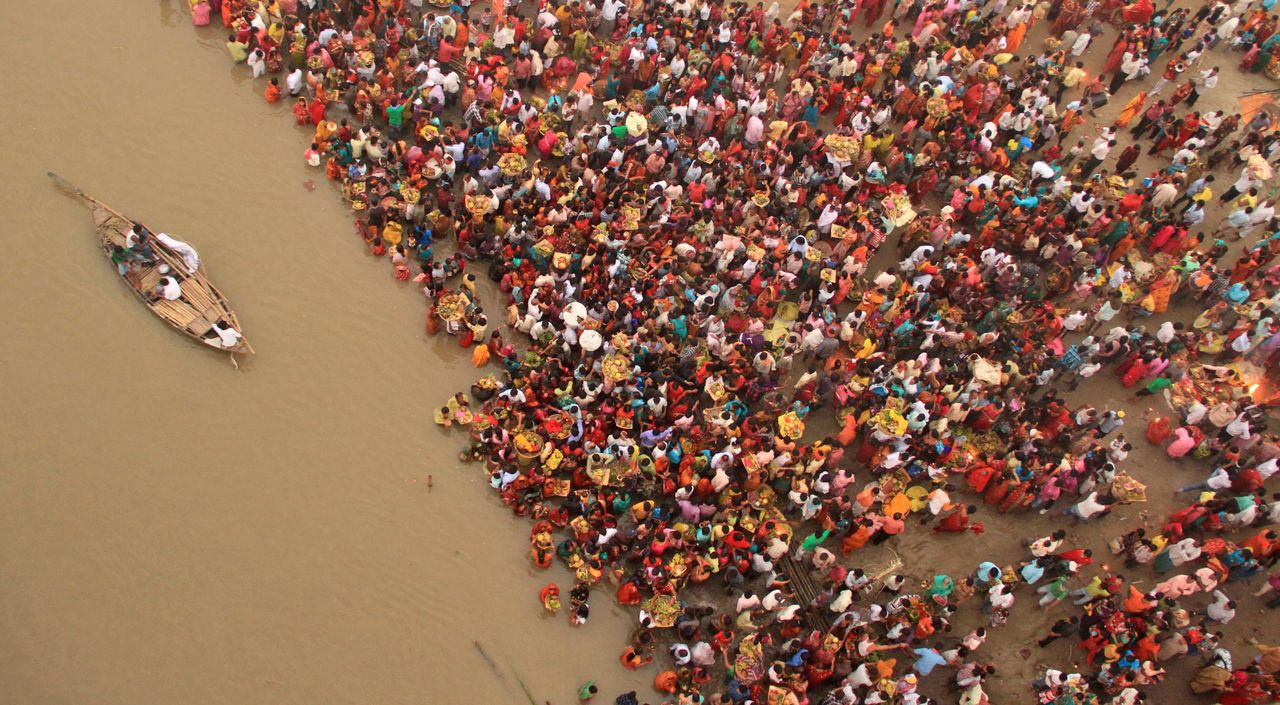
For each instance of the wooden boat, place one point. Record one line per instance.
(199, 308)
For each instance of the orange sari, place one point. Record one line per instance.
(1013, 38)
(1131, 110)
(1161, 290)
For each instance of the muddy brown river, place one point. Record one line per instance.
(174, 530)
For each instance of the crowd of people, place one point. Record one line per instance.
(680, 203)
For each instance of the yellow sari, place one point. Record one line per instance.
(1131, 110)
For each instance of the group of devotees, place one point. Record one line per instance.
(778, 284)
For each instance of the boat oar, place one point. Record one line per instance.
(64, 184)
(75, 191)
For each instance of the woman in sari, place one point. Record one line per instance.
(1161, 290)
(1135, 372)
(1122, 247)
(1014, 37)
(938, 110)
(872, 10)
(1265, 53)
(749, 666)
(1139, 13)
(1070, 14)
(1180, 93)
(941, 588)
(1018, 495)
(1158, 430)
(1160, 238)
(1158, 44)
(1114, 58)
(1131, 110)
(1181, 242)
(907, 104)
(924, 18)
(997, 489)
(979, 477)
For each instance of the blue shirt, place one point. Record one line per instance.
(988, 572)
(1071, 358)
(928, 660)
(1032, 572)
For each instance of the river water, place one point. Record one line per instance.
(174, 530)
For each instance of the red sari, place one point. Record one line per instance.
(1014, 498)
(1158, 430)
(1134, 374)
(1139, 13)
(979, 477)
(1116, 56)
(996, 491)
(955, 522)
(1070, 16)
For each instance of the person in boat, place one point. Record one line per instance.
(123, 260)
(167, 288)
(138, 243)
(226, 336)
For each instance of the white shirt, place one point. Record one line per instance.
(451, 83)
(1044, 547)
(1218, 479)
(1218, 610)
(1081, 43)
(1089, 506)
(937, 501)
(1001, 598)
(681, 654)
(1267, 469)
(1042, 170)
(1261, 214)
(170, 289)
(1239, 427)
(230, 337)
(1132, 65)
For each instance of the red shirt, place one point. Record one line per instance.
(1077, 556)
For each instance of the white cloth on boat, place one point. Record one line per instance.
(185, 251)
